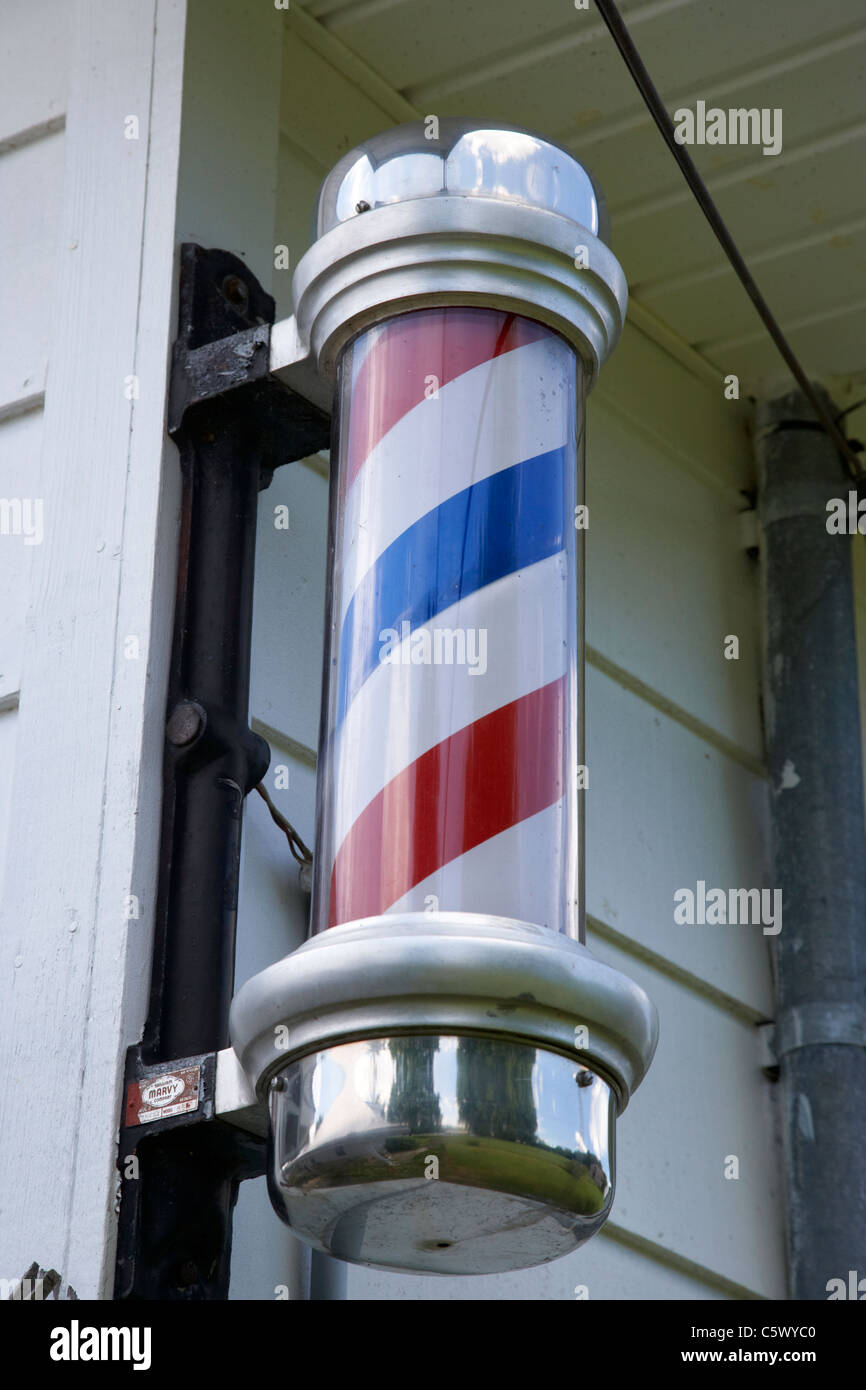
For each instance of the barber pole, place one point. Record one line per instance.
(444, 782)
(444, 1059)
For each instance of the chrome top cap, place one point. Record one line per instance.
(469, 158)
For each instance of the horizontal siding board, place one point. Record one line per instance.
(650, 521)
(275, 913)
(8, 730)
(322, 111)
(267, 1262)
(20, 445)
(289, 607)
(701, 430)
(272, 922)
(228, 173)
(664, 809)
(31, 184)
(705, 1098)
(299, 180)
(34, 56)
(603, 1269)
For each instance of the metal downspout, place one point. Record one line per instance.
(819, 847)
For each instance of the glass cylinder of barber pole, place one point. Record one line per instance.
(451, 741)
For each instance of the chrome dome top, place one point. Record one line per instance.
(469, 158)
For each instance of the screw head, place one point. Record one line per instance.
(185, 723)
(584, 1078)
(236, 293)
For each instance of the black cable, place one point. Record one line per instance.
(848, 409)
(300, 853)
(657, 109)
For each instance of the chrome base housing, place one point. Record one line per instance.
(441, 1154)
(442, 1089)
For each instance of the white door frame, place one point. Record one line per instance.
(198, 162)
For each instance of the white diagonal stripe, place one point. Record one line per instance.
(510, 875)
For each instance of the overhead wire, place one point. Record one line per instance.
(659, 112)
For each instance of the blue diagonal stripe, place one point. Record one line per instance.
(504, 523)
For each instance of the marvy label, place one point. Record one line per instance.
(172, 1093)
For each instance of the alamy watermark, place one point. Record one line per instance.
(736, 126)
(851, 1288)
(22, 516)
(729, 907)
(846, 516)
(438, 646)
(77, 1343)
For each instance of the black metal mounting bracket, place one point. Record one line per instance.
(233, 424)
(223, 347)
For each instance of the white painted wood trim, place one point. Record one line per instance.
(203, 79)
(85, 795)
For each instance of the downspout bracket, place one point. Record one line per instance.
(819, 1023)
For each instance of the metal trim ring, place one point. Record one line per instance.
(453, 973)
(836, 1023)
(459, 250)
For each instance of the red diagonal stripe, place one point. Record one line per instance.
(471, 786)
(408, 350)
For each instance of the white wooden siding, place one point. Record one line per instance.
(33, 59)
(34, 53)
(95, 240)
(31, 184)
(603, 1269)
(20, 445)
(664, 809)
(288, 622)
(267, 1261)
